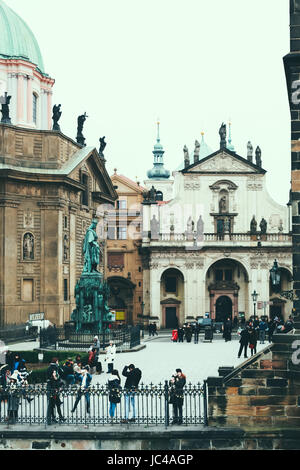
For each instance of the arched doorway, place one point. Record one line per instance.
(223, 308)
(172, 298)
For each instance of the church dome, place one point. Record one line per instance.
(17, 40)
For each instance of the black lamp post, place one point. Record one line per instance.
(254, 297)
(142, 308)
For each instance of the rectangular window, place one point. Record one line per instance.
(219, 275)
(85, 193)
(65, 221)
(27, 292)
(228, 275)
(122, 204)
(111, 233)
(66, 290)
(34, 108)
(122, 233)
(171, 284)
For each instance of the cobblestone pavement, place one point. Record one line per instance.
(161, 357)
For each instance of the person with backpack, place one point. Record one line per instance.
(114, 392)
(133, 376)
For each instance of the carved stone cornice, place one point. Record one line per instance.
(6, 201)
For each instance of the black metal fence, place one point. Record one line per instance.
(11, 333)
(149, 405)
(66, 338)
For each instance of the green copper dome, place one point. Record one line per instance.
(16, 39)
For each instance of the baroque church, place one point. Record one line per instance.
(51, 187)
(211, 235)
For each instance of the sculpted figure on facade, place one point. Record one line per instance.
(222, 133)
(186, 156)
(28, 246)
(223, 204)
(258, 156)
(56, 117)
(263, 226)
(196, 151)
(5, 101)
(190, 225)
(249, 152)
(253, 226)
(91, 249)
(154, 227)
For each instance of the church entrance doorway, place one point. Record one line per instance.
(223, 308)
(171, 317)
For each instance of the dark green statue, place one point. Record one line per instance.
(92, 313)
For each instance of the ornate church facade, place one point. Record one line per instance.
(212, 244)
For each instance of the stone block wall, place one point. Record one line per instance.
(264, 391)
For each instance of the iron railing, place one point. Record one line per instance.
(31, 405)
(64, 339)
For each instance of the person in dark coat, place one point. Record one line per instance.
(227, 329)
(244, 341)
(114, 391)
(252, 340)
(188, 333)
(177, 384)
(133, 376)
(54, 373)
(271, 329)
(196, 333)
(180, 335)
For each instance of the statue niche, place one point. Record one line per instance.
(28, 247)
(223, 202)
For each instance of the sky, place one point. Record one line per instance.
(191, 64)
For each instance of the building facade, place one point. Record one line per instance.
(124, 271)
(50, 189)
(213, 244)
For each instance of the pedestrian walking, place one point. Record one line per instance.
(133, 376)
(85, 380)
(114, 390)
(244, 341)
(110, 356)
(176, 395)
(155, 329)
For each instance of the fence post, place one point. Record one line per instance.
(205, 402)
(166, 393)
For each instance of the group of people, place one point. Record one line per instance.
(259, 330)
(94, 357)
(13, 381)
(186, 332)
(152, 328)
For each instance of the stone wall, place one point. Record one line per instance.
(264, 391)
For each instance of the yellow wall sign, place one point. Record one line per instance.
(120, 315)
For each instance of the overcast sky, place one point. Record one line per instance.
(192, 63)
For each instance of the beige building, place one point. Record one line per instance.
(124, 269)
(50, 189)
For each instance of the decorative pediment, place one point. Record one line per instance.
(223, 161)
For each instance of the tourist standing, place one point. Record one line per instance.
(244, 341)
(85, 380)
(252, 340)
(175, 336)
(133, 376)
(14, 394)
(227, 330)
(114, 390)
(177, 384)
(53, 388)
(196, 333)
(180, 334)
(110, 356)
(262, 327)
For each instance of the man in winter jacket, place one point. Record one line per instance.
(133, 376)
(244, 341)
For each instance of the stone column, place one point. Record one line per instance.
(72, 257)
(20, 105)
(29, 100)
(155, 309)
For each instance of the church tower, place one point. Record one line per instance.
(292, 69)
(22, 73)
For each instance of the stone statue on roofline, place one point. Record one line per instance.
(56, 117)
(223, 133)
(5, 102)
(80, 122)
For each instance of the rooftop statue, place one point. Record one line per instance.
(196, 151)
(258, 156)
(102, 145)
(186, 156)
(249, 151)
(222, 133)
(56, 117)
(80, 122)
(5, 101)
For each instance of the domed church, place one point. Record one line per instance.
(22, 73)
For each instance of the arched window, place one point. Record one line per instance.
(28, 247)
(34, 107)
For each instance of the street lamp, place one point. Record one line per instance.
(254, 297)
(275, 276)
